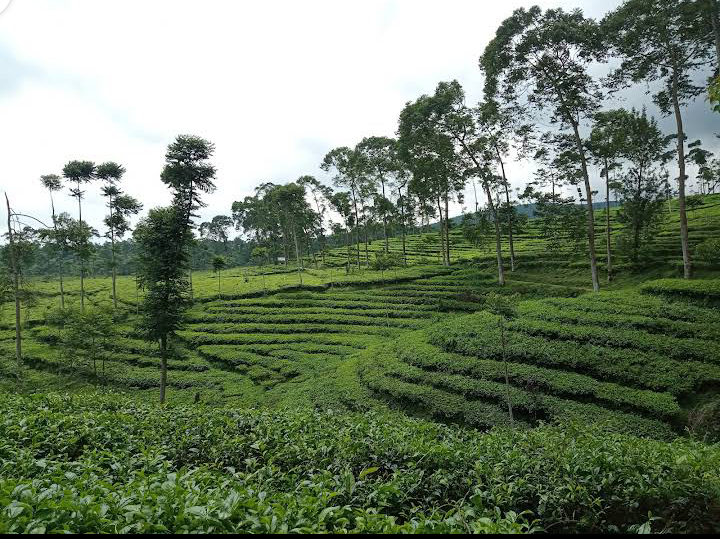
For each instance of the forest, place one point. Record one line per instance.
(411, 340)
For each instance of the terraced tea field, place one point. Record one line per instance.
(532, 251)
(265, 349)
(414, 339)
(629, 361)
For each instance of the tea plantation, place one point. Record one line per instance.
(376, 401)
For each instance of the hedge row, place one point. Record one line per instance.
(478, 335)
(703, 289)
(544, 311)
(694, 349)
(570, 385)
(290, 317)
(527, 404)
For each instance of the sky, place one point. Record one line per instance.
(274, 85)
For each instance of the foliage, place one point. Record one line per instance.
(129, 467)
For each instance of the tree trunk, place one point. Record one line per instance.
(442, 235)
(112, 252)
(447, 227)
(510, 226)
(14, 267)
(297, 256)
(591, 215)
(684, 239)
(357, 227)
(402, 218)
(498, 242)
(163, 368)
(387, 244)
(82, 255)
(607, 222)
(60, 253)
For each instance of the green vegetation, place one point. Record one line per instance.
(127, 467)
(386, 372)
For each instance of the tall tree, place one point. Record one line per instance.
(641, 187)
(189, 174)
(53, 183)
(664, 41)
(121, 208)
(342, 204)
(79, 173)
(321, 196)
(380, 157)
(505, 130)
(217, 229)
(163, 239)
(546, 57)
(350, 168)
(607, 140)
(428, 148)
(219, 263)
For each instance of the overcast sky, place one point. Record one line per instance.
(274, 84)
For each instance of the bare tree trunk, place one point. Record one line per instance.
(509, 208)
(387, 244)
(442, 235)
(591, 215)
(684, 239)
(357, 227)
(60, 253)
(402, 218)
(82, 255)
(498, 242)
(607, 222)
(447, 227)
(14, 267)
(297, 256)
(112, 252)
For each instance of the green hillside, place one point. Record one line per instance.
(374, 390)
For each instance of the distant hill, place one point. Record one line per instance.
(529, 210)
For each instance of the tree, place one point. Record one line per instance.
(260, 255)
(350, 171)
(163, 239)
(607, 140)
(342, 204)
(379, 154)
(189, 174)
(665, 41)
(52, 183)
(121, 208)
(428, 147)
(217, 229)
(79, 173)
(294, 214)
(504, 308)
(641, 188)
(321, 195)
(219, 263)
(547, 58)
(502, 125)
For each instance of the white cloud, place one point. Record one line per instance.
(275, 84)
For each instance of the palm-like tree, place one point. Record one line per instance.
(79, 173)
(53, 182)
